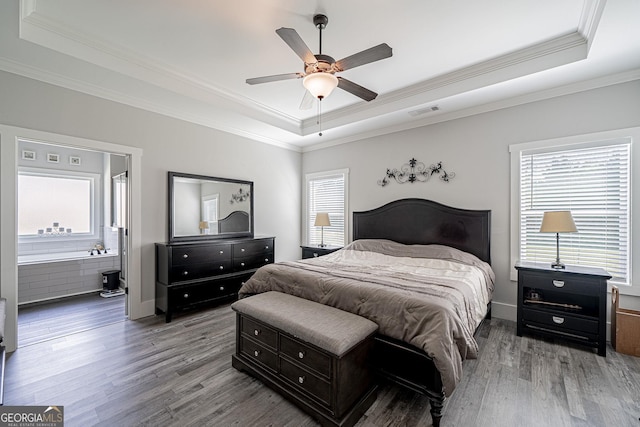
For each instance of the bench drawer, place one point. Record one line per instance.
(306, 381)
(259, 353)
(306, 355)
(260, 332)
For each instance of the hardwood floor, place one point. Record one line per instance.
(67, 316)
(150, 373)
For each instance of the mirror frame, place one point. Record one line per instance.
(197, 237)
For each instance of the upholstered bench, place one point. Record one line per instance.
(314, 355)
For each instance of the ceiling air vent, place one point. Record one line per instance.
(424, 110)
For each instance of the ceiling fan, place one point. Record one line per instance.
(319, 70)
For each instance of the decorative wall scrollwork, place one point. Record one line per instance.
(240, 196)
(415, 171)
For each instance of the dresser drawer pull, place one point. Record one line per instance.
(558, 320)
(185, 273)
(315, 255)
(186, 295)
(266, 247)
(185, 256)
(242, 264)
(266, 260)
(301, 380)
(221, 267)
(256, 332)
(241, 249)
(256, 353)
(558, 283)
(221, 252)
(222, 288)
(301, 354)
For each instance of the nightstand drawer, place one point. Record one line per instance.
(258, 353)
(306, 355)
(561, 282)
(260, 332)
(306, 381)
(560, 321)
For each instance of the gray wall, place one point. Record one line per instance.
(168, 144)
(476, 148)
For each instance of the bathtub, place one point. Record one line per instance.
(59, 256)
(47, 276)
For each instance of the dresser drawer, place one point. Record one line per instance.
(252, 262)
(305, 380)
(198, 271)
(258, 353)
(306, 355)
(560, 321)
(195, 254)
(561, 282)
(252, 248)
(259, 332)
(182, 296)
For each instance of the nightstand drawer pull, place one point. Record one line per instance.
(301, 380)
(558, 320)
(315, 254)
(266, 260)
(558, 283)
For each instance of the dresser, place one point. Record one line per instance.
(189, 274)
(569, 303)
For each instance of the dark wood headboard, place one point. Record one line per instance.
(235, 222)
(420, 221)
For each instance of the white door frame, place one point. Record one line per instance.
(9, 136)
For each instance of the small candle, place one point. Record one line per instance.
(41, 231)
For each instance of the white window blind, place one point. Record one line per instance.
(591, 182)
(327, 193)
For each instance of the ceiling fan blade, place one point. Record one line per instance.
(356, 89)
(295, 42)
(274, 78)
(372, 54)
(307, 101)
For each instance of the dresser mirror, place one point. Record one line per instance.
(204, 207)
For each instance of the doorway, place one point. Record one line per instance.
(9, 137)
(72, 216)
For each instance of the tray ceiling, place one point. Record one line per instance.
(189, 59)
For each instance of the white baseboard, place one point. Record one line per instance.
(505, 311)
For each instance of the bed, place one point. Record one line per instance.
(385, 265)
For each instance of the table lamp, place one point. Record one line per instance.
(558, 222)
(322, 220)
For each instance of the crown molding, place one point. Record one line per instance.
(564, 90)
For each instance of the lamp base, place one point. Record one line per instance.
(322, 245)
(557, 265)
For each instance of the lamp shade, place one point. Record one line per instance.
(322, 220)
(320, 84)
(204, 225)
(558, 222)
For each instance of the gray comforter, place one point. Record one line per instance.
(432, 297)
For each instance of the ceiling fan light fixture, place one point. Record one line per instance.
(320, 84)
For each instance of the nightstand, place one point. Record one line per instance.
(316, 251)
(568, 303)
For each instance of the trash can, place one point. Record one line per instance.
(111, 280)
(625, 327)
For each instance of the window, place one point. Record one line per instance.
(592, 181)
(55, 203)
(327, 192)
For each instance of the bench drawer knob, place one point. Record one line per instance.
(301, 354)
(256, 332)
(301, 380)
(256, 353)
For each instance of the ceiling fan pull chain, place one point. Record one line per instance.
(319, 119)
